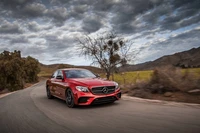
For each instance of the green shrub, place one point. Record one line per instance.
(15, 70)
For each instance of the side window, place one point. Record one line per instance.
(54, 74)
(60, 73)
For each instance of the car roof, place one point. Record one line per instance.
(64, 69)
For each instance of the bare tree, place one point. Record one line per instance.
(109, 51)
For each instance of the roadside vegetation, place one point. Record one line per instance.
(164, 83)
(146, 75)
(16, 71)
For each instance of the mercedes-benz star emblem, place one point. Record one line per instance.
(105, 90)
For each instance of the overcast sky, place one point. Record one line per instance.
(47, 29)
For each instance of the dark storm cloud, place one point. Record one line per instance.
(23, 8)
(127, 10)
(13, 4)
(47, 26)
(187, 39)
(33, 10)
(59, 2)
(58, 44)
(77, 11)
(159, 11)
(103, 5)
(184, 13)
(91, 24)
(33, 26)
(168, 14)
(123, 12)
(10, 28)
(59, 15)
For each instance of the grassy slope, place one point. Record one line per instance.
(122, 78)
(132, 77)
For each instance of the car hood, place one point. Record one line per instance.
(91, 82)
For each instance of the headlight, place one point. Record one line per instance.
(82, 88)
(116, 85)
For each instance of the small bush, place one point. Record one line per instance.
(169, 78)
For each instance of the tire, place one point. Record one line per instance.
(69, 98)
(49, 96)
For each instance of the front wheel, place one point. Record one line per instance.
(69, 98)
(49, 96)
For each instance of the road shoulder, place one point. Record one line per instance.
(136, 99)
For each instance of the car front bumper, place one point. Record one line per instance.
(82, 98)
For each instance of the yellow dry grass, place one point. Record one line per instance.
(130, 77)
(127, 77)
(134, 76)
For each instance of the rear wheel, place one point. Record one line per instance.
(49, 96)
(69, 98)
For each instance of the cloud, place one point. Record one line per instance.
(33, 10)
(48, 29)
(14, 4)
(127, 11)
(92, 23)
(20, 39)
(59, 14)
(33, 26)
(22, 8)
(187, 40)
(59, 45)
(10, 28)
(184, 13)
(77, 11)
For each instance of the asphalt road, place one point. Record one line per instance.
(29, 111)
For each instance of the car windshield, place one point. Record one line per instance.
(79, 74)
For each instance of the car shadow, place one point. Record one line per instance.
(105, 105)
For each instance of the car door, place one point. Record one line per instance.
(60, 89)
(53, 83)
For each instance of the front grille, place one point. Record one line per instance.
(103, 90)
(102, 100)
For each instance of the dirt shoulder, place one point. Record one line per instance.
(182, 97)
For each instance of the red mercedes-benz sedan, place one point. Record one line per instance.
(81, 87)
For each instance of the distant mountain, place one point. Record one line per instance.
(186, 59)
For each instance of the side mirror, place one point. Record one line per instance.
(97, 75)
(59, 77)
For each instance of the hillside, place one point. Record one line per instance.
(185, 59)
(46, 70)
